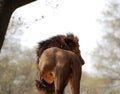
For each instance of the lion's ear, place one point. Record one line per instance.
(70, 42)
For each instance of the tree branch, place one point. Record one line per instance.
(6, 9)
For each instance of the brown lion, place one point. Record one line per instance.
(59, 62)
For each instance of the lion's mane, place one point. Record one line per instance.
(68, 42)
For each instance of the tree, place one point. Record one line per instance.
(18, 73)
(6, 9)
(107, 53)
(17, 68)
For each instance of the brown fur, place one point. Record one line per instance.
(60, 66)
(68, 43)
(43, 87)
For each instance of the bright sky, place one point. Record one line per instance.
(61, 17)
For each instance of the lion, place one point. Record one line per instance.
(59, 66)
(58, 62)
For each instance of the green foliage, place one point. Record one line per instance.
(106, 56)
(93, 84)
(17, 73)
(17, 65)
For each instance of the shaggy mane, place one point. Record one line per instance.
(68, 42)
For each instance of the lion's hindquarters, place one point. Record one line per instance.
(57, 65)
(46, 66)
(48, 77)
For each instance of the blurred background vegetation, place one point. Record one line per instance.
(17, 63)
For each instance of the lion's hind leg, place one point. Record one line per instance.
(61, 79)
(75, 85)
(75, 78)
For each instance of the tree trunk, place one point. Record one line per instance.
(6, 9)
